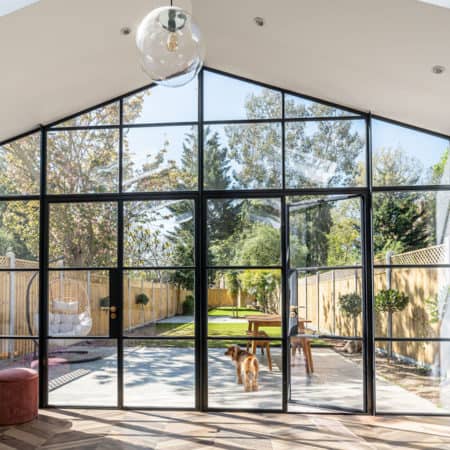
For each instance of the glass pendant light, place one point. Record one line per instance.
(171, 47)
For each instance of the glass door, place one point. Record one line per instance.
(83, 305)
(325, 295)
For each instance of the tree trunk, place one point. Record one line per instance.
(389, 336)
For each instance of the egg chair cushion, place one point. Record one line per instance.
(70, 324)
(65, 306)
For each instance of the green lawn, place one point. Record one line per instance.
(230, 311)
(214, 329)
(222, 330)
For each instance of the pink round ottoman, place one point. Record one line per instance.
(18, 396)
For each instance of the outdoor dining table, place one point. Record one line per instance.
(269, 320)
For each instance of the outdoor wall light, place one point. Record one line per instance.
(171, 47)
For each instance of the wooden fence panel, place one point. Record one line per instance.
(318, 299)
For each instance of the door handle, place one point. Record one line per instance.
(113, 309)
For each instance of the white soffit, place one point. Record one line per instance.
(442, 3)
(60, 56)
(10, 6)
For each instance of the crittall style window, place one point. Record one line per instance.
(144, 241)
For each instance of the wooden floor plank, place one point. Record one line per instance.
(155, 430)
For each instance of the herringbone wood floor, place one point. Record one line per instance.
(99, 430)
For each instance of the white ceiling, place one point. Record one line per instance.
(60, 56)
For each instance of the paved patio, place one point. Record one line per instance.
(165, 377)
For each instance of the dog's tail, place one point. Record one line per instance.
(255, 365)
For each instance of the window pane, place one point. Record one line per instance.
(415, 300)
(402, 156)
(299, 107)
(414, 379)
(151, 381)
(83, 234)
(78, 303)
(20, 163)
(325, 154)
(159, 303)
(244, 232)
(106, 115)
(329, 301)
(83, 161)
(160, 159)
(324, 231)
(82, 372)
(228, 98)
(225, 392)
(18, 353)
(336, 380)
(241, 300)
(245, 156)
(162, 104)
(19, 300)
(411, 227)
(19, 232)
(159, 233)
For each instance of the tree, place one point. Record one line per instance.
(394, 167)
(234, 288)
(324, 153)
(351, 306)
(344, 237)
(390, 301)
(80, 161)
(224, 219)
(438, 169)
(310, 226)
(259, 246)
(256, 148)
(402, 221)
(262, 284)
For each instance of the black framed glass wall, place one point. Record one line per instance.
(326, 303)
(411, 269)
(19, 252)
(158, 228)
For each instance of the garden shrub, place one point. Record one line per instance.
(390, 300)
(188, 305)
(141, 299)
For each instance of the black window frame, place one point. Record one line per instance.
(200, 197)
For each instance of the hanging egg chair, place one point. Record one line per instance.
(69, 308)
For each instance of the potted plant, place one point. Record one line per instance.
(104, 303)
(390, 301)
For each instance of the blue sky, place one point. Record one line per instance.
(225, 99)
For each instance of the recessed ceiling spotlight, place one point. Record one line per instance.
(125, 31)
(259, 21)
(438, 69)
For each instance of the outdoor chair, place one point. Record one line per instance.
(304, 344)
(261, 344)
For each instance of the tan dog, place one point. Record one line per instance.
(247, 367)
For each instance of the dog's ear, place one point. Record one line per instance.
(235, 353)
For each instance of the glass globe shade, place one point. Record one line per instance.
(171, 47)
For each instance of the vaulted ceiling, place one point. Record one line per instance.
(58, 57)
